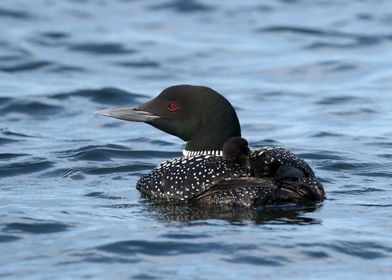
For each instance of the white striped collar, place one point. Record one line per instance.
(186, 153)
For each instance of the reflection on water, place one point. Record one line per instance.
(263, 215)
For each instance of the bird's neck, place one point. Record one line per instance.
(187, 153)
(212, 134)
(209, 143)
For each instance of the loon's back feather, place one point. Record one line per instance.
(184, 178)
(246, 192)
(266, 161)
(210, 179)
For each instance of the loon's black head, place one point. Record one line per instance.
(236, 150)
(197, 114)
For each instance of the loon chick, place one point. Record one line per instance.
(217, 166)
(236, 150)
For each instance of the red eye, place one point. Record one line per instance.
(172, 107)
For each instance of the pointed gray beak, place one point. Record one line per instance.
(134, 114)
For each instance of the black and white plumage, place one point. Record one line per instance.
(210, 179)
(217, 166)
(187, 177)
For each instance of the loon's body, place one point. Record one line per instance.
(217, 166)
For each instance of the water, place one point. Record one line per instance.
(312, 76)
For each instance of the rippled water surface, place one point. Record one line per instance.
(312, 76)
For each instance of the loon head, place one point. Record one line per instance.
(196, 114)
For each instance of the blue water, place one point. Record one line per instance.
(312, 76)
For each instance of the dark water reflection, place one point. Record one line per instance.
(264, 215)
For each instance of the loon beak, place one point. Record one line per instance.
(134, 114)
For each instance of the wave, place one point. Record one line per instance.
(110, 151)
(189, 6)
(15, 14)
(36, 109)
(101, 48)
(25, 167)
(339, 39)
(107, 95)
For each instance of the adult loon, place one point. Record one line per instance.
(217, 166)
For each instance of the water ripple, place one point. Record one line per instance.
(103, 195)
(101, 48)
(170, 248)
(319, 154)
(10, 132)
(326, 134)
(189, 6)
(107, 96)
(345, 165)
(35, 109)
(348, 189)
(65, 69)
(315, 254)
(128, 168)
(73, 173)
(139, 64)
(324, 33)
(8, 238)
(337, 39)
(15, 14)
(35, 228)
(26, 167)
(50, 38)
(108, 260)
(184, 236)
(4, 99)
(55, 35)
(265, 260)
(340, 100)
(7, 156)
(110, 151)
(360, 249)
(25, 66)
(4, 141)
(364, 250)
(376, 205)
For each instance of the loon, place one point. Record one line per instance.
(217, 166)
